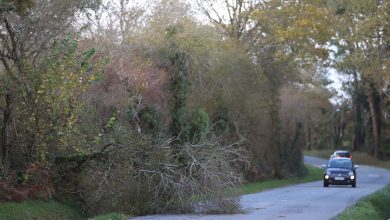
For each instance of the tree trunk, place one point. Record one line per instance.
(4, 127)
(358, 134)
(374, 121)
(309, 138)
(274, 144)
(338, 126)
(357, 140)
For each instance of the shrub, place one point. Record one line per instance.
(199, 123)
(38, 183)
(39, 179)
(193, 125)
(150, 119)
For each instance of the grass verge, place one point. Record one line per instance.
(373, 207)
(110, 216)
(47, 210)
(314, 174)
(38, 210)
(358, 158)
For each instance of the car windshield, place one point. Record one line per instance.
(340, 164)
(343, 154)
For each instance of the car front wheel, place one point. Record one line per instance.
(326, 184)
(354, 185)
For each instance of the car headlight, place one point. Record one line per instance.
(326, 176)
(350, 174)
(352, 177)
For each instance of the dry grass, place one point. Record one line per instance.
(358, 158)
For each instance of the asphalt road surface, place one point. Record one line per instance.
(302, 201)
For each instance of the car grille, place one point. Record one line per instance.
(336, 173)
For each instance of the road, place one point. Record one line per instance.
(302, 201)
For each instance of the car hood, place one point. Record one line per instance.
(339, 170)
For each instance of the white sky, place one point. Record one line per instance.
(337, 84)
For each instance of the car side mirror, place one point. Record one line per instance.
(356, 166)
(323, 166)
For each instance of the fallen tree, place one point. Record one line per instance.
(142, 177)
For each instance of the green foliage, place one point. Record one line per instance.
(150, 119)
(20, 6)
(111, 122)
(193, 125)
(221, 122)
(372, 207)
(130, 112)
(49, 105)
(173, 30)
(179, 78)
(186, 125)
(63, 79)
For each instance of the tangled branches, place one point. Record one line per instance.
(143, 178)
